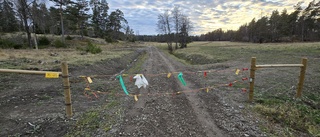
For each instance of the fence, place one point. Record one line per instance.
(254, 67)
(49, 74)
(66, 84)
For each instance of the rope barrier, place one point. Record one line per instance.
(88, 81)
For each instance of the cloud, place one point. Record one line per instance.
(206, 15)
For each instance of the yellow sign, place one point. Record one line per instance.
(89, 79)
(52, 74)
(169, 75)
(207, 90)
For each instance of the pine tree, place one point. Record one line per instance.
(8, 21)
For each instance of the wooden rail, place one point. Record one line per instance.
(27, 71)
(254, 67)
(65, 77)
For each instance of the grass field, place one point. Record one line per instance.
(49, 58)
(275, 88)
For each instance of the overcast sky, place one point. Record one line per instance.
(206, 15)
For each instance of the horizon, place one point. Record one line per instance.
(205, 15)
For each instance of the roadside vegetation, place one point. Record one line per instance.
(274, 99)
(52, 52)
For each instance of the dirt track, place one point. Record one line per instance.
(160, 111)
(186, 114)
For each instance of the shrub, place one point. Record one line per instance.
(44, 41)
(69, 38)
(108, 39)
(6, 44)
(94, 49)
(59, 44)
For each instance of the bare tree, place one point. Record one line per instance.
(185, 28)
(164, 27)
(23, 11)
(176, 16)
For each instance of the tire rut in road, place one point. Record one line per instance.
(203, 116)
(160, 112)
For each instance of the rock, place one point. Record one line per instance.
(54, 54)
(57, 61)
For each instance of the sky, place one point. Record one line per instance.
(206, 15)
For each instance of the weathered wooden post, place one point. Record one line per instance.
(252, 75)
(301, 77)
(66, 88)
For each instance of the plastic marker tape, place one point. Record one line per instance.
(52, 75)
(89, 79)
(122, 84)
(169, 75)
(180, 76)
(237, 71)
(135, 97)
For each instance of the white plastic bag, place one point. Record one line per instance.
(140, 81)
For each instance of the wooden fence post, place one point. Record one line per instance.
(301, 77)
(252, 75)
(66, 88)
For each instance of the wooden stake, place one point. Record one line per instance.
(301, 79)
(66, 87)
(252, 75)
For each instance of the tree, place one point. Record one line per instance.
(61, 4)
(23, 10)
(185, 28)
(100, 16)
(8, 21)
(252, 30)
(114, 23)
(176, 16)
(274, 22)
(129, 34)
(77, 15)
(164, 27)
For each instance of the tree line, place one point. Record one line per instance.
(65, 17)
(300, 25)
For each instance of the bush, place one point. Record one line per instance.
(7, 44)
(109, 39)
(44, 41)
(59, 44)
(94, 49)
(69, 38)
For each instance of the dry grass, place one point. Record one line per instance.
(274, 88)
(50, 58)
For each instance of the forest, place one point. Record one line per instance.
(64, 17)
(92, 19)
(303, 24)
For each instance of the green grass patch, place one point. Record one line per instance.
(294, 115)
(137, 66)
(98, 119)
(94, 49)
